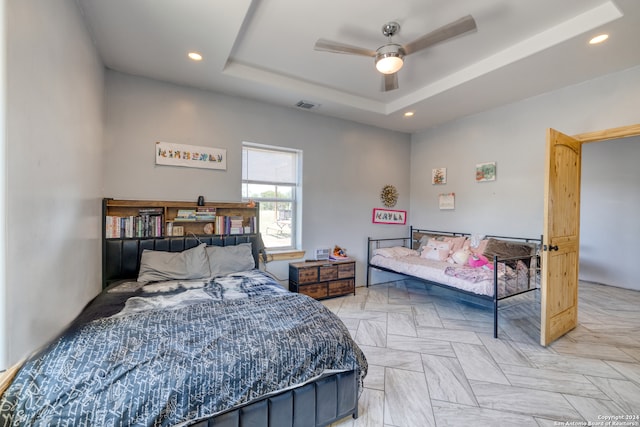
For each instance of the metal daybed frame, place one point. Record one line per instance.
(411, 240)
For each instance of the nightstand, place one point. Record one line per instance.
(323, 279)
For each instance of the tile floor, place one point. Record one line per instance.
(433, 360)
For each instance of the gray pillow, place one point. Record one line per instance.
(225, 260)
(186, 265)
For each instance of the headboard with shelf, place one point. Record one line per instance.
(122, 248)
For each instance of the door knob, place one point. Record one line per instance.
(550, 248)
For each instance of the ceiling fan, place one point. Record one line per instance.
(389, 57)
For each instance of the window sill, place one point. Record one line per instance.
(284, 255)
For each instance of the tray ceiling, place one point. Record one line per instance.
(263, 50)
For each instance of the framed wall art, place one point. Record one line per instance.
(439, 176)
(486, 172)
(447, 201)
(389, 216)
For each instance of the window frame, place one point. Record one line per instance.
(296, 193)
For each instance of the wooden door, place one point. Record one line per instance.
(559, 302)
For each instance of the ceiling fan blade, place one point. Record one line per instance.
(446, 32)
(336, 47)
(389, 82)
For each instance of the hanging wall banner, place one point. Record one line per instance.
(190, 156)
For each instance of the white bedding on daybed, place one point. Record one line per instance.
(471, 279)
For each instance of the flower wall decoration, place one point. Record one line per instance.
(389, 196)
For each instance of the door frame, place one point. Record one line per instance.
(613, 133)
(599, 136)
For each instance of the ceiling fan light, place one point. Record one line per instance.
(389, 58)
(389, 64)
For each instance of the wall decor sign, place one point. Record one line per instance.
(486, 172)
(190, 156)
(447, 201)
(439, 176)
(389, 216)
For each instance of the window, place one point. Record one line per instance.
(271, 176)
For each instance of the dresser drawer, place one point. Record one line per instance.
(322, 279)
(328, 272)
(346, 270)
(316, 291)
(341, 287)
(307, 275)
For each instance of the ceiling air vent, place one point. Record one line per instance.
(307, 105)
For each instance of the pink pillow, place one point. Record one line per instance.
(456, 242)
(436, 250)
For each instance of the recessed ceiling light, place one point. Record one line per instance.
(409, 114)
(195, 56)
(599, 39)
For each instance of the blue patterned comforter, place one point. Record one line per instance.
(175, 352)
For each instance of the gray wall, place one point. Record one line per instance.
(3, 186)
(54, 171)
(514, 137)
(345, 164)
(610, 202)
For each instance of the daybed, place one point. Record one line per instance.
(202, 338)
(491, 268)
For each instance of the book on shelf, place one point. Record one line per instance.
(109, 231)
(205, 214)
(151, 211)
(186, 215)
(234, 224)
(144, 225)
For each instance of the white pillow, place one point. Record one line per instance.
(385, 252)
(460, 257)
(225, 260)
(186, 265)
(402, 251)
(395, 252)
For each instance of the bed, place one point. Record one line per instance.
(205, 338)
(487, 268)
